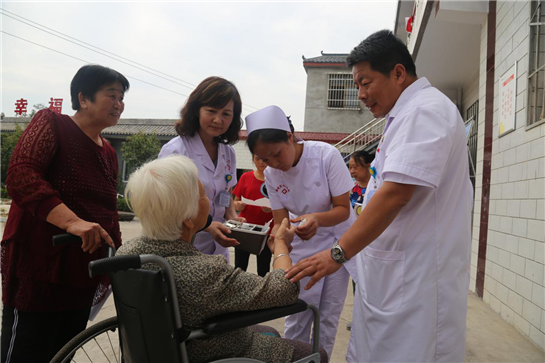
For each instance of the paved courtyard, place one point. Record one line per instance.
(489, 338)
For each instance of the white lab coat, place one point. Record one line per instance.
(307, 188)
(413, 280)
(212, 177)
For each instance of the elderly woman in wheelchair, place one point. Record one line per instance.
(172, 206)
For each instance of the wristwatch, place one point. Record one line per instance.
(337, 253)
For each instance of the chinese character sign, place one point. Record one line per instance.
(20, 107)
(55, 104)
(508, 97)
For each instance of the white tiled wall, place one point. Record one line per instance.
(244, 156)
(515, 270)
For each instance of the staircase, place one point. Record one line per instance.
(364, 138)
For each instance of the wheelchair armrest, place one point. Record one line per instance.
(241, 319)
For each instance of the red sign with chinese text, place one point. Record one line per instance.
(55, 104)
(20, 106)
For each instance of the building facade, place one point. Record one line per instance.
(488, 57)
(164, 130)
(331, 98)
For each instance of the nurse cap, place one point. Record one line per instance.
(271, 117)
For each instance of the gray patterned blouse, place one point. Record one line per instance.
(212, 287)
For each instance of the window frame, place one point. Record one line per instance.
(346, 84)
(124, 176)
(534, 69)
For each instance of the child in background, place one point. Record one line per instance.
(359, 165)
(252, 186)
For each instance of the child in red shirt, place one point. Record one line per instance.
(251, 185)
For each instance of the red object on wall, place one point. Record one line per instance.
(20, 106)
(410, 24)
(55, 104)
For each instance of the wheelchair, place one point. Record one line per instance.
(148, 324)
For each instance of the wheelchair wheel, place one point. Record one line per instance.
(98, 343)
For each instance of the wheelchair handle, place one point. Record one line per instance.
(68, 238)
(114, 264)
(65, 239)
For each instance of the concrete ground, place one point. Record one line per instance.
(489, 337)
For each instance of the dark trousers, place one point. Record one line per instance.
(35, 337)
(263, 260)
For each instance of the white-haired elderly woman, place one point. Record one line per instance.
(172, 206)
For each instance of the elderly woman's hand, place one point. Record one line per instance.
(218, 231)
(90, 233)
(284, 234)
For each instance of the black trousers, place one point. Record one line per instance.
(263, 260)
(35, 337)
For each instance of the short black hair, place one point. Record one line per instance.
(214, 92)
(269, 136)
(90, 78)
(383, 50)
(362, 157)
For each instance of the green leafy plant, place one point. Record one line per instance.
(122, 205)
(35, 108)
(8, 142)
(139, 149)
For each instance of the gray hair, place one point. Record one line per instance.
(163, 193)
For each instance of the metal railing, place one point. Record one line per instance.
(362, 138)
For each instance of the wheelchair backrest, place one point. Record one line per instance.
(147, 327)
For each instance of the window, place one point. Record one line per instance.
(126, 172)
(342, 93)
(536, 73)
(472, 122)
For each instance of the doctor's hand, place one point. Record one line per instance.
(307, 230)
(316, 266)
(219, 232)
(239, 219)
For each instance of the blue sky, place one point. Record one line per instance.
(256, 45)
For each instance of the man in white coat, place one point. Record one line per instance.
(414, 232)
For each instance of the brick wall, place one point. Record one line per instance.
(515, 266)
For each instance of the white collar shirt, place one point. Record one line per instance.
(213, 177)
(413, 279)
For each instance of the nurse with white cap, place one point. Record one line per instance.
(308, 182)
(210, 122)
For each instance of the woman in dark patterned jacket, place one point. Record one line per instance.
(62, 177)
(172, 206)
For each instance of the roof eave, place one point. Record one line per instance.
(314, 65)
